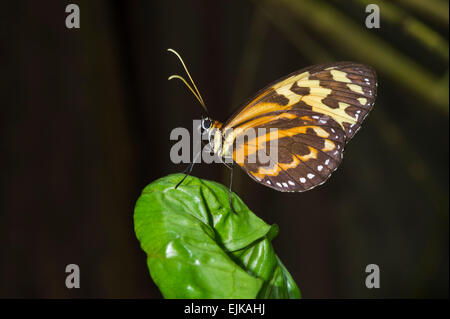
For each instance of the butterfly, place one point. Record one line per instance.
(315, 112)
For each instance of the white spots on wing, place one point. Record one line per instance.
(285, 184)
(337, 136)
(302, 179)
(291, 183)
(332, 130)
(310, 176)
(315, 117)
(319, 168)
(323, 121)
(278, 184)
(327, 161)
(268, 182)
(336, 152)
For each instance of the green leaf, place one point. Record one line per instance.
(198, 248)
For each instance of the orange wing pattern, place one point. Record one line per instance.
(316, 111)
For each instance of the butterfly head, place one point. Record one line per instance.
(212, 130)
(206, 123)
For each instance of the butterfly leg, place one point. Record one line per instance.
(229, 189)
(188, 170)
(186, 173)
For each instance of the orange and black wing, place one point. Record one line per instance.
(316, 111)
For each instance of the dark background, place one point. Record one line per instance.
(86, 116)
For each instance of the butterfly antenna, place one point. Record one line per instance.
(196, 92)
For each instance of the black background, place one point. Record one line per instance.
(86, 116)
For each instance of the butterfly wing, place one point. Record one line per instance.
(316, 111)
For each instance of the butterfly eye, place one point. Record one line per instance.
(206, 123)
